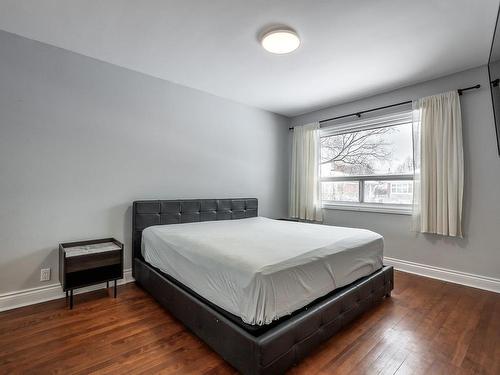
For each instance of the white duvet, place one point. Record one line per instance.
(262, 269)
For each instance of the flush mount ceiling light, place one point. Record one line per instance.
(280, 40)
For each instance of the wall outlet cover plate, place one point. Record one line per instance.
(45, 274)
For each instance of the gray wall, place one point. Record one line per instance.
(81, 139)
(479, 252)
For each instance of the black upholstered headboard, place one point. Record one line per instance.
(159, 212)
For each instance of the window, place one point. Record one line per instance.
(368, 164)
(401, 188)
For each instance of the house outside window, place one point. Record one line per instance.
(368, 164)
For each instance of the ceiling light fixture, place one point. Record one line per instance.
(280, 40)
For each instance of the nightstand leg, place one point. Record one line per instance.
(71, 299)
(66, 294)
(115, 290)
(107, 284)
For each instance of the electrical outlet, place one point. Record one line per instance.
(45, 274)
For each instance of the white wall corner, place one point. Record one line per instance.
(25, 297)
(452, 276)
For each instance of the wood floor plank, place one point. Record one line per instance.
(427, 327)
(72, 336)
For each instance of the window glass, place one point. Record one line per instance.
(371, 165)
(345, 191)
(389, 192)
(384, 151)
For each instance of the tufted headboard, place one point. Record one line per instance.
(159, 212)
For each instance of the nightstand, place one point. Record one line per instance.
(85, 263)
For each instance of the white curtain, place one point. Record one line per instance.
(439, 165)
(305, 202)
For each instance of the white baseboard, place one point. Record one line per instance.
(31, 296)
(457, 277)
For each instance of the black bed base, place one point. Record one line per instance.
(269, 350)
(281, 346)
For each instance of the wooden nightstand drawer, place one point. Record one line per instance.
(86, 262)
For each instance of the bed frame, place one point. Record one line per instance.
(268, 350)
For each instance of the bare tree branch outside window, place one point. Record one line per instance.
(356, 153)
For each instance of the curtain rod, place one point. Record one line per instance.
(358, 114)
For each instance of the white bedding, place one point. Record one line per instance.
(262, 269)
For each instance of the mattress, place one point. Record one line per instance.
(262, 269)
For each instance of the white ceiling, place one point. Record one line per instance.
(350, 48)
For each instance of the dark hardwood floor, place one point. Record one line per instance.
(427, 327)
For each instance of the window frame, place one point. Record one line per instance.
(401, 118)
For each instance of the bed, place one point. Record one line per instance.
(254, 289)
